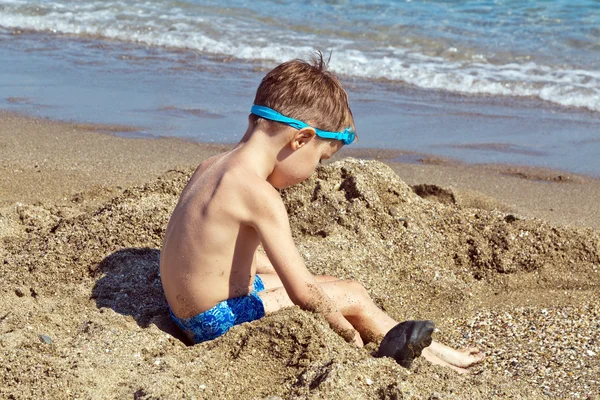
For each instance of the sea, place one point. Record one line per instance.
(479, 81)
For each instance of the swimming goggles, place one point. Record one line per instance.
(346, 136)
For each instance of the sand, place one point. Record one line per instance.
(82, 313)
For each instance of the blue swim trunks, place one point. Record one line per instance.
(215, 322)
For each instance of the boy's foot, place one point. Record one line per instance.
(406, 341)
(462, 358)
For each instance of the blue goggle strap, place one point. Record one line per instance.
(346, 136)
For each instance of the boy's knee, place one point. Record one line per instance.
(358, 289)
(326, 278)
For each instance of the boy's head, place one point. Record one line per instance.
(307, 92)
(310, 100)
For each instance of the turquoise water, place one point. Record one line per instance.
(482, 81)
(544, 49)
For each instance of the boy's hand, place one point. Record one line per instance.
(342, 327)
(357, 340)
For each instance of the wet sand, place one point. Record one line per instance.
(501, 257)
(48, 160)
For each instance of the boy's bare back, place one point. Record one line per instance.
(210, 245)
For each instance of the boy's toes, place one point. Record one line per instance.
(472, 356)
(470, 350)
(479, 357)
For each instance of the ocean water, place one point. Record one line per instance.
(514, 81)
(538, 48)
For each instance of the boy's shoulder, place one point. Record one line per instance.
(244, 186)
(263, 202)
(259, 193)
(231, 174)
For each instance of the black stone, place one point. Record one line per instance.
(406, 341)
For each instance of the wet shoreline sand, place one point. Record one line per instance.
(51, 160)
(82, 313)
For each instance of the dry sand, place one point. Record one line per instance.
(82, 314)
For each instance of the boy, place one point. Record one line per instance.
(212, 274)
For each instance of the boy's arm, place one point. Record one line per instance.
(270, 220)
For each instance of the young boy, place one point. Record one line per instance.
(212, 274)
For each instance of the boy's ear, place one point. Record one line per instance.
(302, 137)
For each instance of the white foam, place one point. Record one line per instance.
(226, 35)
(573, 88)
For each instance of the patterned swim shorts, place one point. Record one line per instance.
(215, 322)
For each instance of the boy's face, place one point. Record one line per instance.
(297, 165)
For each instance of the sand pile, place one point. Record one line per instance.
(83, 315)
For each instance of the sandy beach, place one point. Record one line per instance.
(501, 257)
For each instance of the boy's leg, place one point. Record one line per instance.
(350, 297)
(263, 264)
(356, 305)
(272, 281)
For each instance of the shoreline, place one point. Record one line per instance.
(193, 96)
(99, 158)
